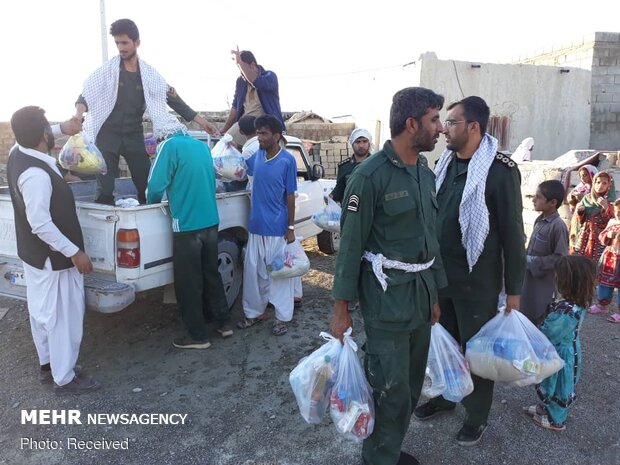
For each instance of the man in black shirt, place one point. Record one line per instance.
(116, 97)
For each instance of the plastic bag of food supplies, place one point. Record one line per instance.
(81, 155)
(329, 217)
(228, 162)
(447, 371)
(510, 349)
(313, 377)
(291, 263)
(351, 404)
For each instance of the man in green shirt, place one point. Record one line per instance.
(360, 141)
(389, 213)
(480, 230)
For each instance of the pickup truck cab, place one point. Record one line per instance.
(131, 247)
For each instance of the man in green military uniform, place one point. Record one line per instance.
(389, 213)
(481, 235)
(360, 141)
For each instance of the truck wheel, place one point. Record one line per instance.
(229, 266)
(328, 242)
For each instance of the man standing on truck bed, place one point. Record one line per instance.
(50, 243)
(256, 94)
(272, 225)
(184, 170)
(116, 96)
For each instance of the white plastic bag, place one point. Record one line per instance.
(293, 262)
(313, 377)
(510, 349)
(228, 162)
(80, 155)
(328, 218)
(351, 404)
(447, 371)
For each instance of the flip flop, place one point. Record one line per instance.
(543, 422)
(615, 318)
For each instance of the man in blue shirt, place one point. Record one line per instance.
(256, 94)
(184, 170)
(272, 226)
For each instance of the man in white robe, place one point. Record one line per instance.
(50, 243)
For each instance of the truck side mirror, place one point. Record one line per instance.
(316, 172)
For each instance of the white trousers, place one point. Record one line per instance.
(258, 287)
(298, 290)
(56, 307)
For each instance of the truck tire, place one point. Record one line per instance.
(328, 242)
(229, 266)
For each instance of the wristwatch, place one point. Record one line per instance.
(292, 228)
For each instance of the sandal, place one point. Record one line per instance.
(544, 422)
(614, 318)
(534, 410)
(246, 323)
(279, 328)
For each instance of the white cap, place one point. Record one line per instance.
(360, 132)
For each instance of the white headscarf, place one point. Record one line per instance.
(360, 132)
(101, 90)
(524, 150)
(473, 211)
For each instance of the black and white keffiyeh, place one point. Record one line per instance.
(473, 211)
(101, 89)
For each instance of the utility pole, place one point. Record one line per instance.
(104, 32)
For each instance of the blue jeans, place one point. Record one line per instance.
(604, 294)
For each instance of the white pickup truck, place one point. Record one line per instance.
(131, 248)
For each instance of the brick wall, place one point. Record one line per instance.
(577, 54)
(605, 115)
(330, 153)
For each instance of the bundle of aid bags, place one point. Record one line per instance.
(79, 154)
(328, 218)
(291, 262)
(331, 378)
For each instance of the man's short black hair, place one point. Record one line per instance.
(246, 125)
(29, 125)
(248, 57)
(268, 121)
(475, 109)
(552, 190)
(125, 26)
(411, 102)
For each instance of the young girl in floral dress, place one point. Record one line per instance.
(575, 282)
(608, 275)
(593, 213)
(586, 173)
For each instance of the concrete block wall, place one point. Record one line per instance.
(605, 115)
(577, 54)
(330, 153)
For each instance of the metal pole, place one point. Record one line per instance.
(104, 32)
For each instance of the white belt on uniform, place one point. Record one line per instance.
(379, 262)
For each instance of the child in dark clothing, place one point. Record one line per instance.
(548, 242)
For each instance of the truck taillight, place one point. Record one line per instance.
(128, 248)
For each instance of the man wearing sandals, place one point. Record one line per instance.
(389, 258)
(271, 227)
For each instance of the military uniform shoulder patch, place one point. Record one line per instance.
(505, 159)
(344, 162)
(171, 92)
(353, 204)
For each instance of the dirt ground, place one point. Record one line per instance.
(239, 405)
